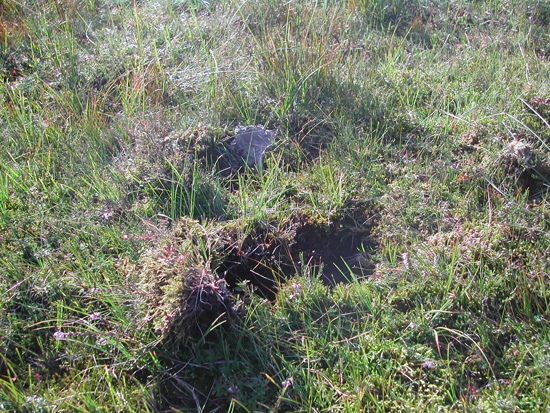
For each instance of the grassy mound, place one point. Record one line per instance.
(187, 297)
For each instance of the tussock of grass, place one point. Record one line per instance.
(412, 161)
(186, 295)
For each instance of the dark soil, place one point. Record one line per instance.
(339, 251)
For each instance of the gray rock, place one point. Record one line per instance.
(250, 144)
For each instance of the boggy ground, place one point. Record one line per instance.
(412, 141)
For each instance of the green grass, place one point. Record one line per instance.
(414, 142)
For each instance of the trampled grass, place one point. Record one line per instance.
(392, 254)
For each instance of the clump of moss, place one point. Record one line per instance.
(185, 294)
(520, 166)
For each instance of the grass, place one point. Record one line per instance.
(142, 271)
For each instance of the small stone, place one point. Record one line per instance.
(250, 144)
(521, 151)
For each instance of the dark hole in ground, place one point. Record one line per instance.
(256, 261)
(528, 170)
(339, 251)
